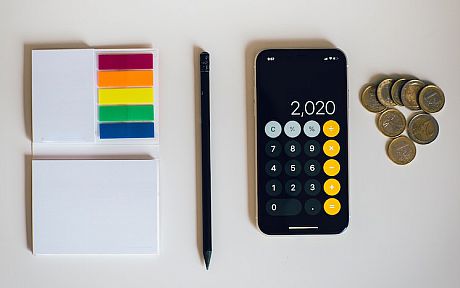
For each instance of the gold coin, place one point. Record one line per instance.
(384, 93)
(370, 101)
(431, 99)
(423, 128)
(396, 91)
(409, 94)
(401, 150)
(391, 122)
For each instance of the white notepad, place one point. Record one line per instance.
(101, 105)
(95, 206)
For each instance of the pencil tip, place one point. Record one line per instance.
(207, 258)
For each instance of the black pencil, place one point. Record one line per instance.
(205, 158)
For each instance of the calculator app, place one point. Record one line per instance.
(302, 141)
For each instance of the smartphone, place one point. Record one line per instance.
(301, 99)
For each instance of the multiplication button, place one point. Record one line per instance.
(311, 128)
(273, 129)
(292, 129)
(331, 148)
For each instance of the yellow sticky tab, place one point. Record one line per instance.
(125, 96)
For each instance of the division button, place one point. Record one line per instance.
(273, 168)
(273, 187)
(332, 206)
(331, 128)
(293, 187)
(312, 207)
(273, 129)
(273, 148)
(312, 187)
(312, 168)
(293, 168)
(311, 148)
(311, 128)
(283, 207)
(331, 187)
(292, 129)
(331, 167)
(331, 148)
(292, 148)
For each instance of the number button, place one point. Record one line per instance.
(332, 206)
(312, 187)
(273, 168)
(311, 129)
(312, 207)
(331, 167)
(293, 187)
(273, 129)
(274, 187)
(331, 128)
(292, 148)
(311, 148)
(331, 148)
(312, 167)
(283, 207)
(331, 187)
(293, 168)
(273, 148)
(292, 129)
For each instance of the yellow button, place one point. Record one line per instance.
(331, 128)
(332, 206)
(331, 167)
(331, 187)
(331, 148)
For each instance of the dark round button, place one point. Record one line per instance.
(292, 148)
(273, 148)
(273, 187)
(312, 187)
(293, 187)
(293, 168)
(312, 207)
(273, 168)
(312, 148)
(312, 168)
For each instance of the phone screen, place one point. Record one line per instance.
(302, 141)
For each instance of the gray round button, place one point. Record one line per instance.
(312, 207)
(311, 128)
(292, 129)
(273, 129)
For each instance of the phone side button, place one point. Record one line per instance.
(283, 207)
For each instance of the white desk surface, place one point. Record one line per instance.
(404, 230)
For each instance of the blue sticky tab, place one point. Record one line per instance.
(126, 130)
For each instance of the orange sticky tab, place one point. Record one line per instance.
(127, 78)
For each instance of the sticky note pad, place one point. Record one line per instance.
(125, 96)
(95, 206)
(125, 113)
(128, 78)
(126, 130)
(125, 61)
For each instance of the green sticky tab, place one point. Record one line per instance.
(126, 113)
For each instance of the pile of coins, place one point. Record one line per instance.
(415, 95)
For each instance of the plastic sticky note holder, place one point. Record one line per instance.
(95, 121)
